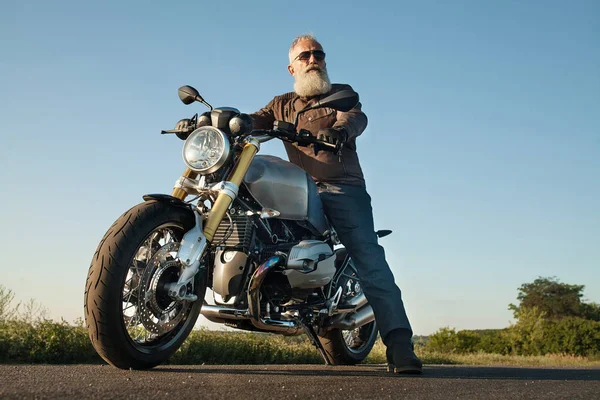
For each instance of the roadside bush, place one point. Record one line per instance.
(444, 340)
(495, 341)
(576, 336)
(203, 346)
(535, 335)
(447, 340)
(527, 335)
(532, 335)
(45, 342)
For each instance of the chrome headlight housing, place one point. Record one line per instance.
(206, 150)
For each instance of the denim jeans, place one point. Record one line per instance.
(348, 209)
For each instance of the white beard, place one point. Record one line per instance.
(311, 82)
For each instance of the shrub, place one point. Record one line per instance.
(45, 342)
(447, 340)
(444, 340)
(535, 335)
(495, 341)
(203, 346)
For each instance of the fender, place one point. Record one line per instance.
(165, 198)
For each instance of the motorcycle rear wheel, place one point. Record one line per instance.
(131, 320)
(349, 347)
(345, 347)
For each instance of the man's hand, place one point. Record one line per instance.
(336, 136)
(333, 135)
(183, 124)
(184, 128)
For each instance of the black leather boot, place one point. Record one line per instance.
(400, 353)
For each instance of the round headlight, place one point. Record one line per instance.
(206, 150)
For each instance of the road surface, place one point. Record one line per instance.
(296, 382)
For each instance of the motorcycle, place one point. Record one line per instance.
(253, 231)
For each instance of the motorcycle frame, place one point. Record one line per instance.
(197, 240)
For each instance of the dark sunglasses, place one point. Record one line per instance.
(319, 55)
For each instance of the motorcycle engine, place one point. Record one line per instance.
(311, 264)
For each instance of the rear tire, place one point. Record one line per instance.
(116, 318)
(349, 347)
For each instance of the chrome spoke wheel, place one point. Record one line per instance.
(132, 321)
(356, 340)
(149, 313)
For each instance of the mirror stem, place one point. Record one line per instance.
(204, 102)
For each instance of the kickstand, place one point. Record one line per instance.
(312, 335)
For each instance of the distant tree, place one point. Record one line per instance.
(591, 311)
(30, 312)
(555, 299)
(6, 298)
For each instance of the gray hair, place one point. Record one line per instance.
(298, 39)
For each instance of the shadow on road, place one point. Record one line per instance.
(434, 371)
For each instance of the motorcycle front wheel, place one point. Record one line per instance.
(132, 322)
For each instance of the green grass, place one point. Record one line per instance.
(50, 342)
(548, 360)
(219, 347)
(377, 356)
(27, 336)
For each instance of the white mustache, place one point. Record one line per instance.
(313, 68)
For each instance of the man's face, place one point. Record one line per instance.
(305, 62)
(309, 69)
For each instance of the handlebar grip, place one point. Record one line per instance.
(320, 145)
(188, 130)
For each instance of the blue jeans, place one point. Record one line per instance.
(348, 209)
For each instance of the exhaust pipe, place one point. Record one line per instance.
(353, 321)
(358, 301)
(223, 314)
(267, 324)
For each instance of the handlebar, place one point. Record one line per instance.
(284, 131)
(176, 131)
(300, 138)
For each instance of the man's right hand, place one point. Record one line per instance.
(334, 136)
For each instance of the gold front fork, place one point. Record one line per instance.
(218, 210)
(180, 193)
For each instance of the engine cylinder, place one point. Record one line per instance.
(311, 264)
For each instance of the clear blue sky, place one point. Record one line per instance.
(482, 151)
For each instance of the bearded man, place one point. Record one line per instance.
(342, 189)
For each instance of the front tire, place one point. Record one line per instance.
(131, 320)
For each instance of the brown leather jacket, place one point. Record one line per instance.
(326, 166)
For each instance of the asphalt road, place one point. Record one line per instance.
(296, 381)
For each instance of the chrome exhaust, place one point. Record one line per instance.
(353, 321)
(267, 324)
(363, 316)
(357, 301)
(222, 314)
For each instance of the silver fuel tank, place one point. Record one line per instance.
(287, 188)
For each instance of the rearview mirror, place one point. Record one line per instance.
(344, 100)
(188, 94)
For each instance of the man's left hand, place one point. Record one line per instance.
(336, 136)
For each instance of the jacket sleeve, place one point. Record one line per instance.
(265, 117)
(353, 121)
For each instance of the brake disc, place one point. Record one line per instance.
(157, 311)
